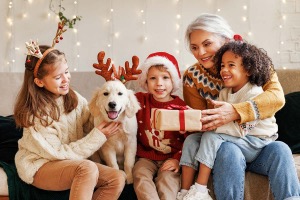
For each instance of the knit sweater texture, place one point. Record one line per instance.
(266, 128)
(200, 84)
(156, 144)
(72, 137)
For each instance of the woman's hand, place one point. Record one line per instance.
(170, 165)
(109, 128)
(223, 113)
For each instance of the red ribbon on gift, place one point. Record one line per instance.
(181, 118)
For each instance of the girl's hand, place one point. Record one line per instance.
(223, 113)
(109, 128)
(170, 165)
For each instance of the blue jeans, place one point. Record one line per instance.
(210, 143)
(275, 161)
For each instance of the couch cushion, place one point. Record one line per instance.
(9, 136)
(288, 120)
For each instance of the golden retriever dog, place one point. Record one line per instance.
(113, 102)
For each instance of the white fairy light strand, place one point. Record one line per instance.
(76, 55)
(179, 30)
(10, 51)
(144, 20)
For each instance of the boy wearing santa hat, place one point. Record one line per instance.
(156, 172)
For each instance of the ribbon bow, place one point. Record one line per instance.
(237, 37)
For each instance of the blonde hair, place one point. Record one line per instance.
(36, 102)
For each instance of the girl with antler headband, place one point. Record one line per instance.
(58, 134)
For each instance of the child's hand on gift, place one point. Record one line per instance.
(170, 165)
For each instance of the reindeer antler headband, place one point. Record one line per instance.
(110, 73)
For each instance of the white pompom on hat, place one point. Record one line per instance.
(160, 58)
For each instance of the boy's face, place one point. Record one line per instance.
(159, 84)
(232, 71)
(57, 80)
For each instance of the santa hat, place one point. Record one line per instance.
(160, 58)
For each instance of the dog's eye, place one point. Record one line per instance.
(120, 93)
(105, 93)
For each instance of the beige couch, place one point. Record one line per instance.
(256, 186)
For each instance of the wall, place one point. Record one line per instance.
(272, 25)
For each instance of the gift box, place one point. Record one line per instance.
(176, 120)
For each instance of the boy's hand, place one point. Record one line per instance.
(170, 165)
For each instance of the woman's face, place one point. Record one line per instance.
(204, 46)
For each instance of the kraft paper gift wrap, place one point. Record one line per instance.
(176, 120)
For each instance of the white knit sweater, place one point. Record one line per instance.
(266, 129)
(71, 138)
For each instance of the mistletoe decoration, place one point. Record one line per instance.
(64, 21)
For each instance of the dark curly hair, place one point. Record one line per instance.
(254, 60)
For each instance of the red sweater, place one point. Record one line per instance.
(155, 144)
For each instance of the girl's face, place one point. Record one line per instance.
(232, 71)
(204, 46)
(57, 80)
(159, 84)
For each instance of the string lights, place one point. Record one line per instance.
(287, 48)
(10, 51)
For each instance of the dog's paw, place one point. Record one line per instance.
(129, 178)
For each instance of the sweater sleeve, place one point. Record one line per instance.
(265, 104)
(48, 145)
(191, 95)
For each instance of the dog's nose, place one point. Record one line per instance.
(112, 104)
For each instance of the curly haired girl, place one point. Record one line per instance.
(244, 68)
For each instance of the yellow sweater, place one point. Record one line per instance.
(69, 138)
(200, 84)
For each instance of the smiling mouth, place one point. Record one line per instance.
(113, 114)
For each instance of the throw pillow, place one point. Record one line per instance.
(288, 120)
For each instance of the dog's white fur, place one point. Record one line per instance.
(119, 150)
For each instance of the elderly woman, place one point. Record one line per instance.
(201, 86)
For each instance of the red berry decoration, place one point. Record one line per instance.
(61, 37)
(57, 41)
(28, 61)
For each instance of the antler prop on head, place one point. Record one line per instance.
(34, 50)
(110, 73)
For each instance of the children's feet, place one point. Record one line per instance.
(194, 194)
(180, 196)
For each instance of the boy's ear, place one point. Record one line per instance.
(38, 82)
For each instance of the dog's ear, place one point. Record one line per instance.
(95, 111)
(133, 105)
